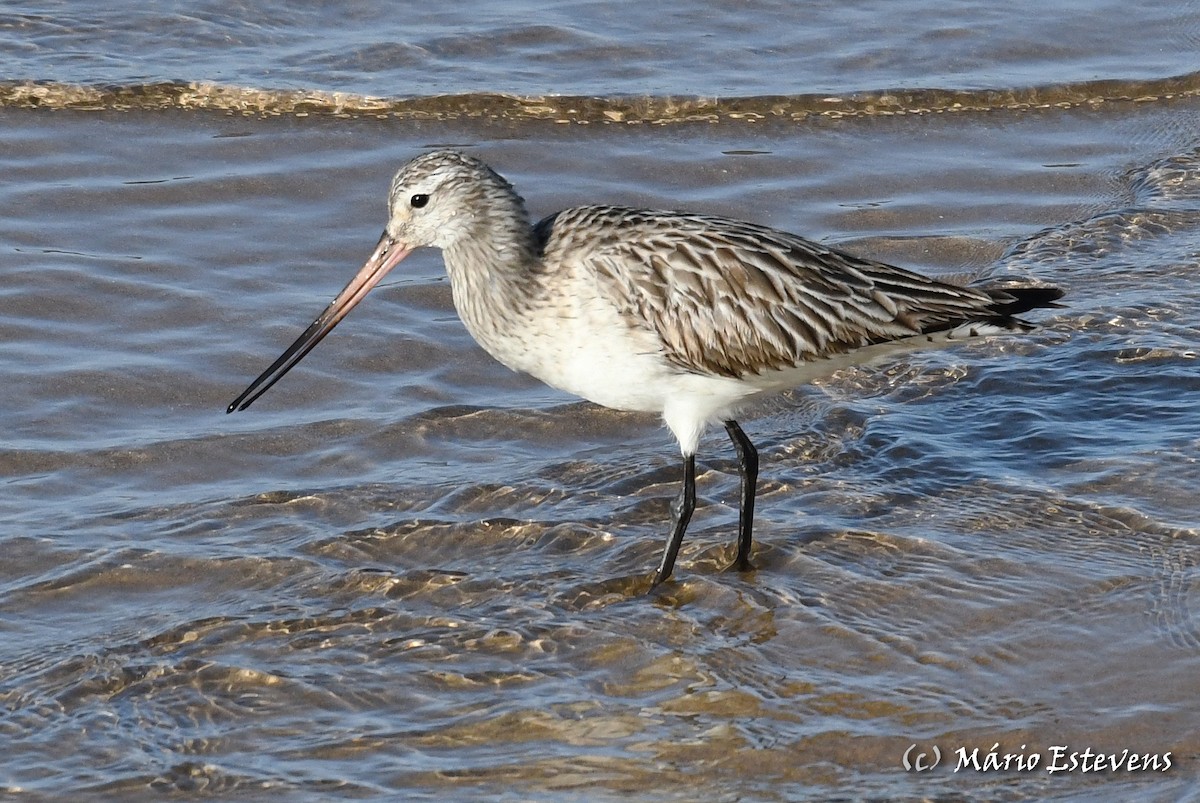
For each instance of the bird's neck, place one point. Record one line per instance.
(495, 276)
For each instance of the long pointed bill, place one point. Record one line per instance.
(388, 254)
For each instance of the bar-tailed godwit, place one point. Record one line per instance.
(689, 316)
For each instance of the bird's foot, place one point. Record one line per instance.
(741, 564)
(658, 579)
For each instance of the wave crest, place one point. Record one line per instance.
(615, 109)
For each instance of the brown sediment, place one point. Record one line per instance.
(615, 109)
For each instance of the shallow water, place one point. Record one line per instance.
(407, 572)
(583, 47)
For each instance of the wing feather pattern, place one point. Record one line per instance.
(730, 298)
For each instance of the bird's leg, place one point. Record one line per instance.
(748, 465)
(681, 514)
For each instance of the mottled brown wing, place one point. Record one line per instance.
(734, 299)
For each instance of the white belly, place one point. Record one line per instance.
(584, 346)
(591, 352)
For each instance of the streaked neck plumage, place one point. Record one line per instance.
(494, 266)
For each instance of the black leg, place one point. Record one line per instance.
(748, 463)
(681, 514)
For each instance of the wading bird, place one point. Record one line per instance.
(689, 316)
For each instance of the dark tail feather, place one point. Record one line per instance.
(1017, 299)
(1008, 301)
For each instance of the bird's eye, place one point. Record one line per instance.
(419, 200)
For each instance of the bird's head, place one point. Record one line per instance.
(442, 199)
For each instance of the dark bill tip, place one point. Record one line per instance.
(386, 256)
